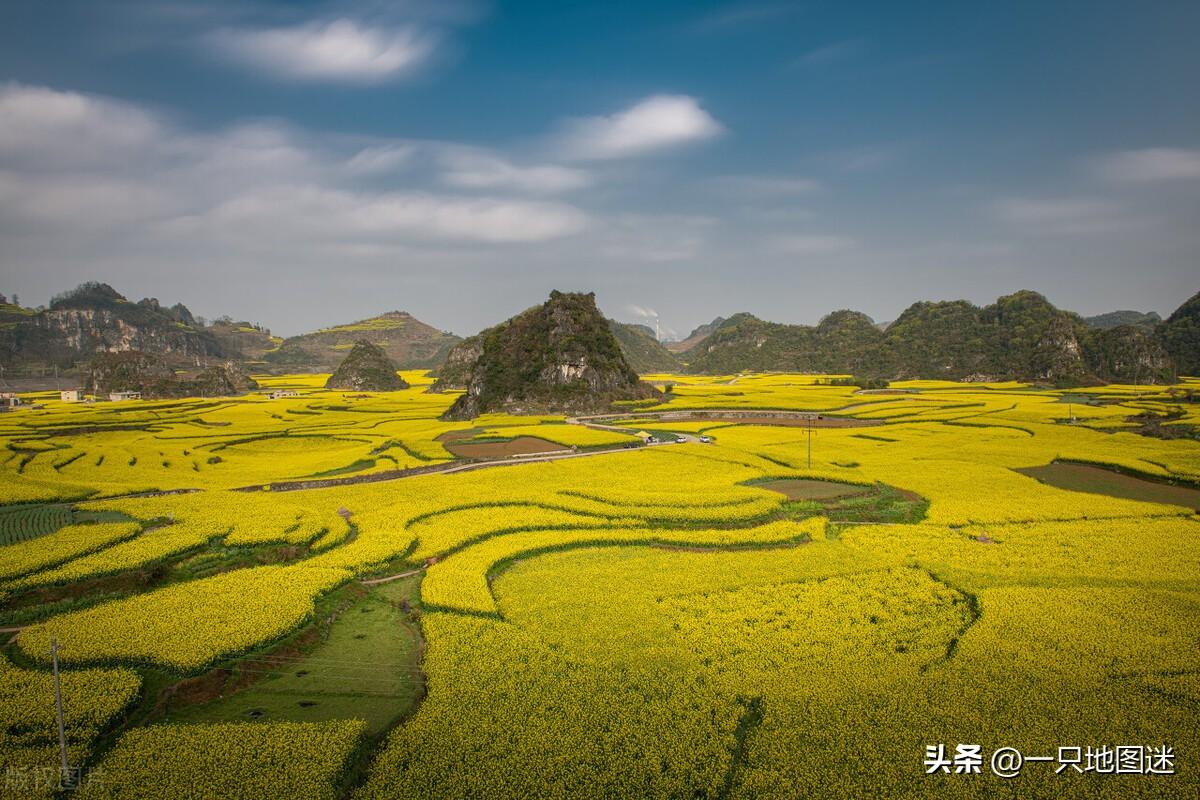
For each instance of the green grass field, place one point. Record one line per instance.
(365, 665)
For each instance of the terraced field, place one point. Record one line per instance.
(681, 620)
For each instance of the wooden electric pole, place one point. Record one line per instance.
(810, 442)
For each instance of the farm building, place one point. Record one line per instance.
(278, 393)
(9, 400)
(118, 396)
(71, 395)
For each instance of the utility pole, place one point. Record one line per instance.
(62, 733)
(810, 442)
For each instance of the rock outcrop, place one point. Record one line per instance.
(560, 357)
(366, 368)
(150, 374)
(1180, 336)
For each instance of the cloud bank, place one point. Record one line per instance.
(654, 124)
(340, 50)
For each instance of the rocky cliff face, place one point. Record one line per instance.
(1180, 336)
(559, 357)
(456, 371)
(94, 318)
(366, 368)
(1027, 338)
(150, 374)
(1128, 354)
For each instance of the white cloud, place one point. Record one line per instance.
(474, 169)
(1062, 216)
(64, 129)
(84, 202)
(381, 158)
(656, 123)
(339, 50)
(1151, 164)
(246, 185)
(312, 212)
(810, 244)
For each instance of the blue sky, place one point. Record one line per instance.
(307, 163)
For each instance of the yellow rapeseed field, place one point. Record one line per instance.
(675, 620)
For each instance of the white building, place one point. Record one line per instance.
(71, 395)
(118, 396)
(278, 393)
(9, 400)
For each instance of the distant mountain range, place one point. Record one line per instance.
(1115, 319)
(405, 339)
(95, 318)
(695, 337)
(1020, 336)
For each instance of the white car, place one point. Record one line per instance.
(680, 440)
(706, 439)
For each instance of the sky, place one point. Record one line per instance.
(305, 164)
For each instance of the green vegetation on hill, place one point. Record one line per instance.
(845, 341)
(699, 334)
(1021, 336)
(559, 357)
(366, 368)
(407, 341)
(642, 350)
(1180, 335)
(1114, 319)
(933, 340)
(243, 340)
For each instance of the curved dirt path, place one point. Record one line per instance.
(439, 469)
(390, 578)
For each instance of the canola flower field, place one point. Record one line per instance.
(631, 621)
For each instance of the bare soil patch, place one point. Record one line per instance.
(1098, 480)
(465, 433)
